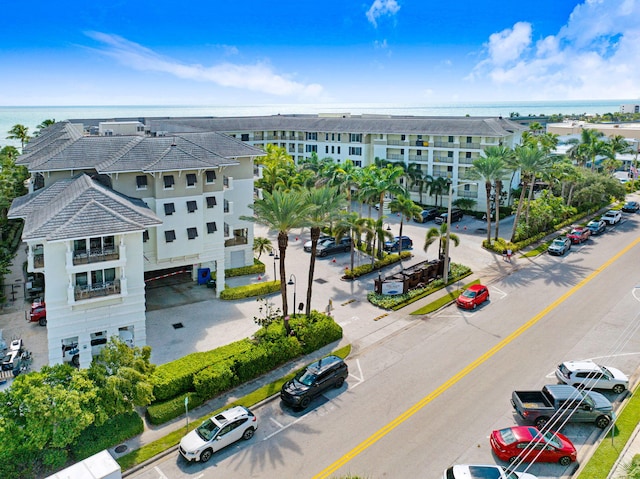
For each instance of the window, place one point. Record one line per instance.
(141, 182)
(326, 149)
(338, 150)
(226, 206)
(211, 227)
(355, 137)
(211, 176)
(402, 151)
(326, 137)
(192, 233)
(168, 181)
(468, 154)
(313, 136)
(469, 139)
(192, 206)
(311, 148)
(419, 153)
(211, 201)
(169, 236)
(403, 137)
(191, 179)
(339, 134)
(244, 136)
(450, 139)
(355, 151)
(449, 154)
(333, 149)
(145, 236)
(169, 209)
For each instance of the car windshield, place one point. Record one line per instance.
(207, 430)
(469, 294)
(487, 472)
(306, 377)
(607, 372)
(507, 436)
(558, 242)
(547, 437)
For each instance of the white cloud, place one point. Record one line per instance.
(381, 7)
(594, 55)
(258, 77)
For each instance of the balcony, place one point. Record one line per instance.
(443, 159)
(466, 161)
(108, 288)
(445, 144)
(94, 255)
(38, 260)
(470, 146)
(394, 142)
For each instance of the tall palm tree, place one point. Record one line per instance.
(281, 211)
(323, 203)
(346, 176)
(383, 182)
(438, 187)
(407, 209)
(491, 169)
(440, 234)
(19, 132)
(354, 225)
(588, 147)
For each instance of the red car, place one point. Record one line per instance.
(473, 296)
(578, 235)
(530, 445)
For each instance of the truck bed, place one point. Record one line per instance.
(532, 399)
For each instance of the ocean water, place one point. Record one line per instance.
(32, 116)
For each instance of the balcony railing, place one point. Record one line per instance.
(236, 240)
(445, 144)
(96, 290)
(443, 159)
(466, 161)
(95, 255)
(470, 146)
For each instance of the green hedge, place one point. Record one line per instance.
(251, 290)
(114, 431)
(215, 379)
(315, 331)
(368, 268)
(176, 377)
(160, 413)
(257, 268)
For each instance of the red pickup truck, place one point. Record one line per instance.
(579, 235)
(37, 313)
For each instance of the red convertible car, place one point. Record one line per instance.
(579, 235)
(527, 443)
(473, 296)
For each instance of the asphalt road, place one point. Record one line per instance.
(429, 395)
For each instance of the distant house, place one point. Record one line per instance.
(106, 213)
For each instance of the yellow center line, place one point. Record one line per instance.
(380, 433)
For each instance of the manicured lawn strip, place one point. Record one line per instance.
(449, 298)
(173, 438)
(538, 250)
(608, 451)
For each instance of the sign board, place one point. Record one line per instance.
(391, 288)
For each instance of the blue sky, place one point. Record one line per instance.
(247, 52)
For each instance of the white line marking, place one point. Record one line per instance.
(276, 422)
(284, 427)
(161, 474)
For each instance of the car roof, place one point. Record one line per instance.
(230, 415)
(324, 363)
(476, 287)
(584, 365)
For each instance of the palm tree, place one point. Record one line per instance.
(43, 125)
(438, 187)
(346, 176)
(354, 225)
(440, 234)
(19, 132)
(588, 148)
(407, 209)
(281, 211)
(322, 203)
(380, 235)
(491, 169)
(262, 245)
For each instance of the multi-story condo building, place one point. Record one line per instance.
(104, 213)
(439, 146)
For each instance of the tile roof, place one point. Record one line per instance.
(66, 148)
(465, 126)
(79, 207)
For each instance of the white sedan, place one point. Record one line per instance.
(464, 471)
(587, 374)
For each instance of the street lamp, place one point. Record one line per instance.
(388, 227)
(292, 281)
(445, 274)
(275, 258)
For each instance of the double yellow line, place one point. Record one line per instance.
(380, 433)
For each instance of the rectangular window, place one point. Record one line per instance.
(469, 139)
(339, 134)
(333, 149)
(192, 206)
(312, 136)
(244, 136)
(449, 154)
(419, 153)
(450, 139)
(191, 179)
(355, 137)
(168, 181)
(211, 176)
(192, 233)
(141, 182)
(211, 227)
(211, 201)
(145, 236)
(402, 151)
(169, 236)
(338, 150)
(403, 137)
(169, 209)
(355, 151)
(326, 137)
(468, 154)
(311, 148)
(326, 149)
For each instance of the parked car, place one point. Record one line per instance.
(317, 377)
(427, 215)
(612, 217)
(631, 207)
(38, 313)
(590, 375)
(473, 296)
(597, 226)
(218, 432)
(330, 246)
(529, 444)
(456, 215)
(321, 239)
(559, 246)
(468, 471)
(10, 360)
(394, 245)
(579, 235)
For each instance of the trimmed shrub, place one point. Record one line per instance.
(251, 290)
(215, 379)
(367, 268)
(257, 268)
(114, 431)
(315, 331)
(160, 413)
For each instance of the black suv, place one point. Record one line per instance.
(331, 247)
(313, 380)
(427, 215)
(456, 215)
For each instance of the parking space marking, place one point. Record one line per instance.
(276, 422)
(160, 473)
(361, 378)
(283, 428)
